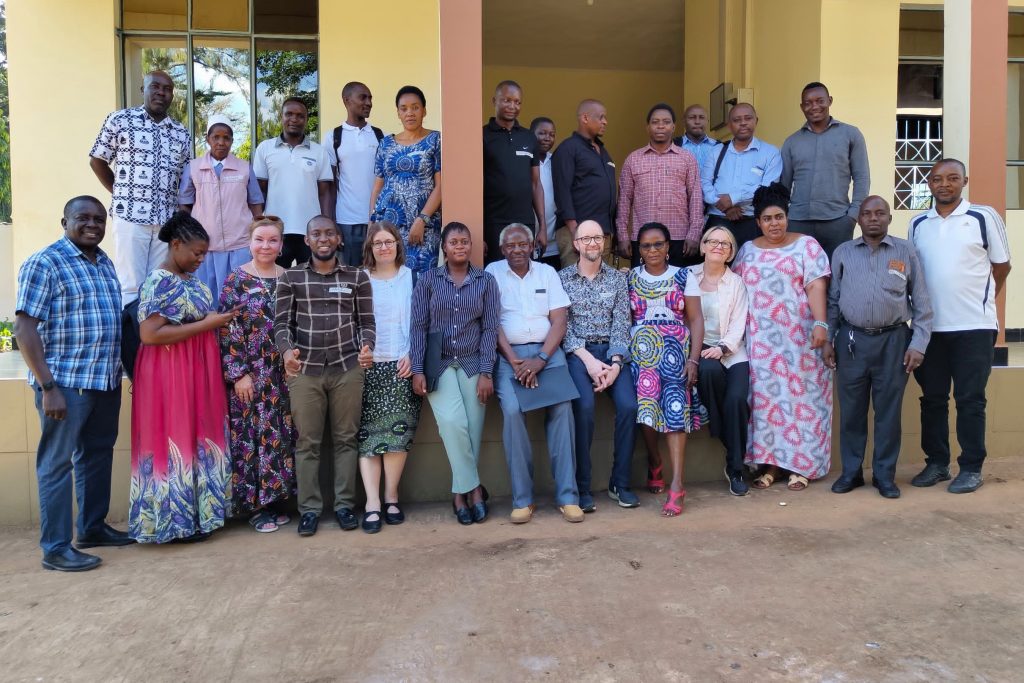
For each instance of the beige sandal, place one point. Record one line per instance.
(764, 481)
(797, 482)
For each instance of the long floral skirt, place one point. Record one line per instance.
(181, 474)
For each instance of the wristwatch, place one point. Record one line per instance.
(617, 361)
(49, 385)
(543, 356)
(424, 217)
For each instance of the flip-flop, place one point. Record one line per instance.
(797, 482)
(764, 481)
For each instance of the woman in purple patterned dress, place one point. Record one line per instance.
(262, 433)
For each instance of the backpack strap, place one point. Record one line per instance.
(718, 164)
(378, 132)
(337, 139)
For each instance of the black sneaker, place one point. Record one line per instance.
(347, 519)
(930, 476)
(737, 486)
(966, 482)
(308, 523)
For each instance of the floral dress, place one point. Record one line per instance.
(659, 346)
(181, 474)
(262, 434)
(408, 173)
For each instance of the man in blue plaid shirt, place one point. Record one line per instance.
(68, 324)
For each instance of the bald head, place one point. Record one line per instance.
(157, 94)
(591, 119)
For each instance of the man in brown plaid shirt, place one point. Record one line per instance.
(325, 330)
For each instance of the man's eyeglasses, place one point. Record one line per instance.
(590, 239)
(384, 244)
(653, 246)
(724, 244)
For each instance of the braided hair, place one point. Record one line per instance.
(775, 194)
(182, 227)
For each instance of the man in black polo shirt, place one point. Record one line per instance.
(584, 176)
(512, 188)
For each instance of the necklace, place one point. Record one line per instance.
(272, 276)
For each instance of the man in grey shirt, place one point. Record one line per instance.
(818, 163)
(877, 284)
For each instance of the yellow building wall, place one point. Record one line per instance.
(553, 92)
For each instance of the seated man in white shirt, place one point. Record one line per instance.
(533, 319)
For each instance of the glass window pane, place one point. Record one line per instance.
(919, 88)
(145, 54)
(220, 76)
(921, 33)
(155, 15)
(1014, 104)
(220, 15)
(285, 68)
(1016, 42)
(285, 17)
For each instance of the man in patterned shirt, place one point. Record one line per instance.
(149, 150)
(597, 345)
(68, 324)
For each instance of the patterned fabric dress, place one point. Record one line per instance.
(408, 173)
(659, 346)
(262, 433)
(790, 387)
(181, 475)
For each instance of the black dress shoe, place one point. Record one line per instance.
(887, 489)
(393, 517)
(462, 514)
(308, 523)
(70, 560)
(966, 482)
(931, 475)
(106, 535)
(479, 512)
(347, 519)
(372, 526)
(847, 483)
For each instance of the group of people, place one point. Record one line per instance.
(301, 294)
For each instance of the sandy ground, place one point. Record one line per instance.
(826, 588)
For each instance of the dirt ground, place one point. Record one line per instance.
(825, 588)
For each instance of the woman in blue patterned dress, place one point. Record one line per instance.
(407, 191)
(665, 345)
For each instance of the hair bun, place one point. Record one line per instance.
(775, 194)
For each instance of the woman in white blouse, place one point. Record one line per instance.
(724, 374)
(391, 410)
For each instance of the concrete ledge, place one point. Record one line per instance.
(428, 477)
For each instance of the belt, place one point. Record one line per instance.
(874, 331)
(597, 340)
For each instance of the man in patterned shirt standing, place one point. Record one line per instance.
(149, 150)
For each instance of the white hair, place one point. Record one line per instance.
(512, 227)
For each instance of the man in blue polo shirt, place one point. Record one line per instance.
(966, 258)
(68, 324)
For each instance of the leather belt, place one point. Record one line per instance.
(874, 331)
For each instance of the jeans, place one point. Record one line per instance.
(623, 395)
(352, 238)
(965, 359)
(84, 442)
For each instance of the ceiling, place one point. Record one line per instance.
(608, 34)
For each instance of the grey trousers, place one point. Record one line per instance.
(830, 234)
(558, 426)
(874, 370)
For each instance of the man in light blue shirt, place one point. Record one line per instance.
(696, 140)
(730, 177)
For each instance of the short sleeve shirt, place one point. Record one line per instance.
(526, 302)
(292, 174)
(148, 158)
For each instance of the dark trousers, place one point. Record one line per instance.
(965, 360)
(492, 231)
(352, 239)
(82, 442)
(725, 392)
(623, 395)
(830, 234)
(743, 230)
(294, 251)
(676, 257)
(873, 370)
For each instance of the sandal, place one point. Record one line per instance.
(764, 481)
(263, 522)
(393, 517)
(674, 505)
(797, 482)
(655, 484)
(281, 519)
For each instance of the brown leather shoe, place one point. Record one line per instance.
(523, 515)
(571, 513)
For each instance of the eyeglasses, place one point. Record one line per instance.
(653, 246)
(724, 244)
(385, 244)
(590, 239)
(268, 217)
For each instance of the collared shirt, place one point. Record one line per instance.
(328, 318)
(467, 316)
(292, 174)
(740, 174)
(599, 309)
(527, 302)
(957, 253)
(354, 161)
(818, 169)
(584, 182)
(662, 187)
(509, 159)
(78, 304)
(708, 146)
(148, 159)
(880, 287)
(549, 205)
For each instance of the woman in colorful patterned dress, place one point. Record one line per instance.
(391, 410)
(786, 275)
(665, 345)
(262, 433)
(181, 476)
(407, 192)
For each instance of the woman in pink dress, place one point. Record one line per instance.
(181, 474)
(786, 276)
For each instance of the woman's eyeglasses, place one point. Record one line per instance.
(268, 217)
(383, 244)
(724, 244)
(652, 246)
